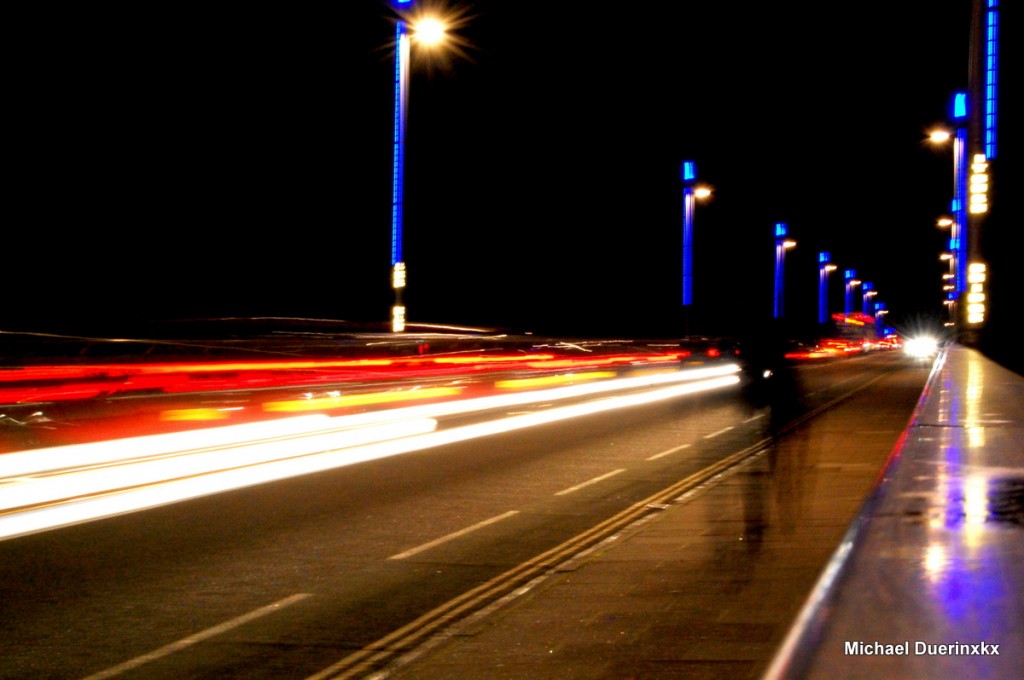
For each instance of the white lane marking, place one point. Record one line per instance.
(750, 420)
(460, 532)
(715, 434)
(595, 480)
(167, 650)
(669, 452)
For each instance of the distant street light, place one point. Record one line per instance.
(428, 31)
(867, 292)
(691, 193)
(782, 244)
(850, 276)
(825, 267)
(949, 288)
(951, 306)
(958, 223)
(880, 312)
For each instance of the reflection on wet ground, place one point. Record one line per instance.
(933, 583)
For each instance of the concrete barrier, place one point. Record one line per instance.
(928, 581)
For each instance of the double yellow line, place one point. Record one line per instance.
(408, 637)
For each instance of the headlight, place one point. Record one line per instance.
(921, 347)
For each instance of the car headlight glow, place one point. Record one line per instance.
(922, 347)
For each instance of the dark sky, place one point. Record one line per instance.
(172, 163)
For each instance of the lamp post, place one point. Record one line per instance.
(691, 194)
(958, 236)
(850, 276)
(689, 176)
(429, 30)
(880, 312)
(867, 292)
(825, 267)
(957, 223)
(782, 244)
(950, 304)
(949, 288)
(401, 101)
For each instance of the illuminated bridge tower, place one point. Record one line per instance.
(981, 152)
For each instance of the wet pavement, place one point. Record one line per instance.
(708, 588)
(932, 582)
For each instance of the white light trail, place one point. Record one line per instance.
(36, 461)
(70, 490)
(93, 480)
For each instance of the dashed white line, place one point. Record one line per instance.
(715, 434)
(669, 452)
(444, 539)
(167, 650)
(595, 480)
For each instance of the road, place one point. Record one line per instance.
(329, 574)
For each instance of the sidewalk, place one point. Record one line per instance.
(711, 586)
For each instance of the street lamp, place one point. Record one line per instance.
(880, 312)
(428, 31)
(867, 291)
(825, 267)
(431, 31)
(782, 244)
(959, 206)
(950, 304)
(949, 287)
(958, 233)
(691, 194)
(850, 276)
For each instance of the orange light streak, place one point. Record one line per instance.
(349, 400)
(522, 383)
(190, 414)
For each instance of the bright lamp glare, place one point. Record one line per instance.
(922, 347)
(430, 31)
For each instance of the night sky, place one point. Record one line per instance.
(173, 163)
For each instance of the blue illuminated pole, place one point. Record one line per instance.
(850, 277)
(958, 237)
(782, 244)
(825, 267)
(867, 292)
(689, 176)
(990, 77)
(401, 103)
(880, 312)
